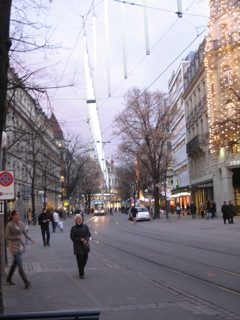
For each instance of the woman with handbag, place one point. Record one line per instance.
(80, 236)
(13, 235)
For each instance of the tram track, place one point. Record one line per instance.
(214, 282)
(131, 232)
(169, 268)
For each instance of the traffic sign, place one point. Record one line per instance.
(7, 191)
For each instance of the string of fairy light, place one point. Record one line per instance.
(223, 46)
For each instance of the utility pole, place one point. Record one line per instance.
(5, 43)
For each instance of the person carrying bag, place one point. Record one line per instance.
(80, 236)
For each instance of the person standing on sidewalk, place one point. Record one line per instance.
(232, 211)
(134, 214)
(80, 236)
(201, 209)
(178, 210)
(43, 221)
(56, 220)
(13, 234)
(193, 209)
(226, 212)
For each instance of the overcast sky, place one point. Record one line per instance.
(170, 39)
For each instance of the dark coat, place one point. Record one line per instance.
(226, 211)
(44, 219)
(77, 232)
(193, 208)
(134, 212)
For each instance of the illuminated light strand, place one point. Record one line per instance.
(221, 20)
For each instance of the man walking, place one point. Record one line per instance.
(193, 209)
(43, 221)
(226, 212)
(134, 214)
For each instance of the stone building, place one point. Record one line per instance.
(31, 151)
(181, 190)
(222, 65)
(197, 129)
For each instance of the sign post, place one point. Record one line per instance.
(7, 192)
(1, 207)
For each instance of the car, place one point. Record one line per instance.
(143, 214)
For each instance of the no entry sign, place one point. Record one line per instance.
(7, 185)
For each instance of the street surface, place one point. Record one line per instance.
(179, 269)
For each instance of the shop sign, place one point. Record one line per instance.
(233, 163)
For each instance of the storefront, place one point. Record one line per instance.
(181, 196)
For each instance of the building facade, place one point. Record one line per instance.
(181, 190)
(197, 129)
(31, 152)
(222, 64)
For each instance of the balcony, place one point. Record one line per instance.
(197, 144)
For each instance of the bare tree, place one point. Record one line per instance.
(144, 128)
(74, 156)
(91, 181)
(18, 13)
(126, 176)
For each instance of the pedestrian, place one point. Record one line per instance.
(111, 212)
(212, 208)
(29, 216)
(226, 212)
(188, 209)
(171, 207)
(80, 236)
(43, 220)
(178, 210)
(193, 209)
(183, 209)
(13, 234)
(56, 221)
(201, 209)
(232, 211)
(134, 214)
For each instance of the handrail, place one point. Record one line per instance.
(64, 315)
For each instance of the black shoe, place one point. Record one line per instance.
(27, 284)
(10, 282)
(48, 245)
(82, 276)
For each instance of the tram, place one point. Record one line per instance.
(98, 207)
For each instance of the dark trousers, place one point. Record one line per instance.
(45, 232)
(81, 262)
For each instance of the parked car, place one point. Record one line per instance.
(143, 214)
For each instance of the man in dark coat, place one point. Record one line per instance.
(226, 212)
(193, 209)
(43, 221)
(80, 236)
(134, 214)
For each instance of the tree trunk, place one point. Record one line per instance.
(156, 203)
(5, 43)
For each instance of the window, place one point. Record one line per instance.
(227, 75)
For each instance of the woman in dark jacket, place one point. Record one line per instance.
(80, 236)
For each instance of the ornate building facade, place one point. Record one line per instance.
(31, 152)
(222, 64)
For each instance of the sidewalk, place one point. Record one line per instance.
(56, 286)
